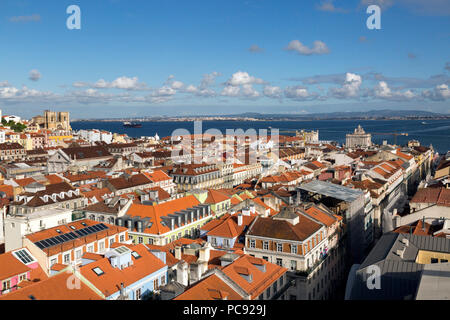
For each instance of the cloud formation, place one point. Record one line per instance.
(255, 49)
(30, 18)
(318, 47)
(35, 75)
(328, 6)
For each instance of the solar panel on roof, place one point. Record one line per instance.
(24, 256)
(96, 227)
(72, 235)
(65, 237)
(52, 241)
(39, 245)
(58, 239)
(84, 232)
(46, 243)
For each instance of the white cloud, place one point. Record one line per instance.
(125, 83)
(318, 47)
(80, 84)
(439, 93)
(231, 91)
(209, 79)
(177, 85)
(383, 91)
(299, 93)
(350, 88)
(35, 75)
(242, 78)
(249, 92)
(272, 92)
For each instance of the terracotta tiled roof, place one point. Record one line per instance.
(209, 288)
(281, 229)
(109, 282)
(11, 266)
(440, 196)
(246, 265)
(53, 288)
(215, 196)
(155, 212)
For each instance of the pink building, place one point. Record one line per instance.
(15, 267)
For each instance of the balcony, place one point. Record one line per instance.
(308, 271)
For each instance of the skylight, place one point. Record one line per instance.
(98, 271)
(24, 256)
(122, 250)
(135, 255)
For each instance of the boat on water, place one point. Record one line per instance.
(129, 124)
(423, 122)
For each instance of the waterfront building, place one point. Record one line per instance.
(359, 138)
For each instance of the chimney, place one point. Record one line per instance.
(205, 252)
(246, 211)
(182, 273)
(423, 223)
(252, 208)
(240, 219)
(178, 252)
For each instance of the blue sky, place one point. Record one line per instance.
(148, 57)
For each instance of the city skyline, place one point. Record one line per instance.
(210, 57)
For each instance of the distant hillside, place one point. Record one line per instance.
(334, 115)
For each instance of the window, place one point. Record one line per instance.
(434, 260)
(135, 254)
(279, 262)
(266, 245)
(294, 249)
(140, 239)
(226, 242)
(22, 277)
(52, 262)
(293, 265)
(67, 258)
(279, 247)
(6, 285)
(102, 246)
(138, 294)
(155, 284)
(265, 258)
(78, 254)
(444, 260)
(98, 271)
(111, 241)
(150, 241)
(163, 280)
(122, 238)
(252, 243)
(90, 249)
